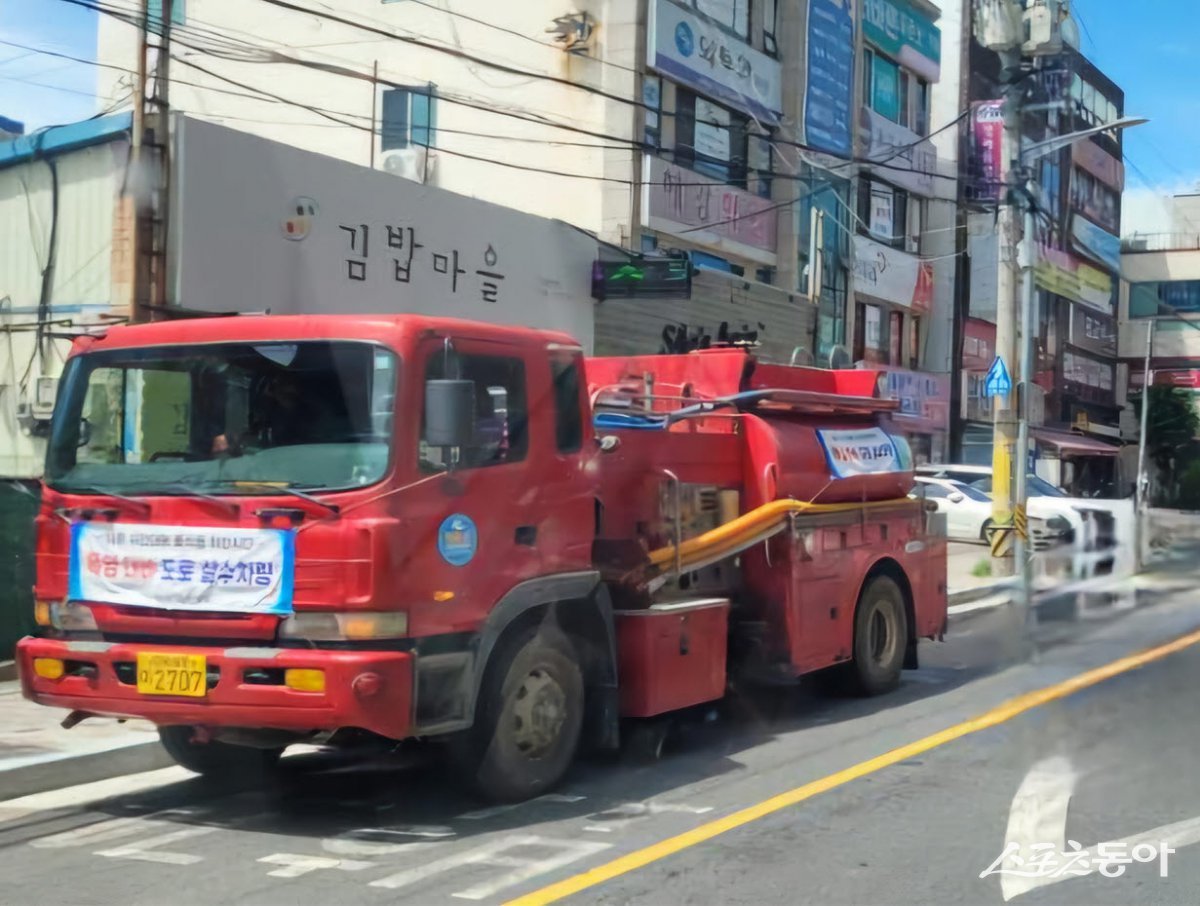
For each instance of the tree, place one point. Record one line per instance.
(1172, 426)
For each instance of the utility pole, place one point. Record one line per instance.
(1004, 410)
(160, 216)
(129, 283)
(1143, 480)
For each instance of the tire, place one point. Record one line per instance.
(880, 637)
(217, 759)
(528, 718)
(983, 532)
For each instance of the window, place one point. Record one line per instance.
(894, 92)
(409, 118)
(568, 413)
(895, 337)
(914, 343)
(733, 15)
(652, 99)
(501, 416)
(1148, 300)
(770, 14)
(883, 211)
(311, 414)
(154, 13)
(1095, 199)
(932, 491)
(710, 138)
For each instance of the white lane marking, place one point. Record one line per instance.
(294, 866)
(498, 854)
(1038, 814)
(383, 841)
(88, 793)
(113, 829)
(620, 816)
(990, 603)
(148, 850)
(493, 811)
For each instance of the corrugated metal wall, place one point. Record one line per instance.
(88, 180)
(781, 320)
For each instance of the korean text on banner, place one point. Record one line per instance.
(864, 451)
(230, 570)
(987, 134)
(829, 89)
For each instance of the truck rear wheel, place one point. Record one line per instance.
(527, 719)
(880, 637)
(217, 759)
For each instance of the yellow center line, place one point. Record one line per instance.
(998, 715)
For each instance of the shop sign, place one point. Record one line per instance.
(924, 399)
(829, 87)
(905, 35)
(1096, 242)
(707, 212)
(987, 136)
(911, 161)
(1099, 163)
(700, 55)
(886, 273)
(1065, 275)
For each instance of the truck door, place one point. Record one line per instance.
(475, 527)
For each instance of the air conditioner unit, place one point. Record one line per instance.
(1043, 35)
(997, 24)
(415, 163)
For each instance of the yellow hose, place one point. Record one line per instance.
(749, 525)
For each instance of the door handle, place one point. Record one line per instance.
(525, 535)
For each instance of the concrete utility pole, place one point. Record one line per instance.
(1142, 487)
(1004, 413)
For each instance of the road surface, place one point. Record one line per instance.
(841, 811)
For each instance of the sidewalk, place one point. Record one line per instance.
(37, 754)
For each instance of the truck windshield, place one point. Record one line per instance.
(310, 414)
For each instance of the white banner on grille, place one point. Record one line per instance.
(183, 567)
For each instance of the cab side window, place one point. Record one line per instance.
(501, 413)
(568, 415)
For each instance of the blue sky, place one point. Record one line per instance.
(1146, 47)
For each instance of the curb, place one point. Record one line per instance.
(968, 595)
(72, 770)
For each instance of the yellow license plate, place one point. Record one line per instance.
(172, 674)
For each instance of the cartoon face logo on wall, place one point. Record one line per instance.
(301, 216)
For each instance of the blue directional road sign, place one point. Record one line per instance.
(997, 382)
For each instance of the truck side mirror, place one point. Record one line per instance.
(449, 413)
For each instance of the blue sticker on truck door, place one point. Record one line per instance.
(458, 539)
(862, 451)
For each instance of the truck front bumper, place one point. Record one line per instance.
(370, 690)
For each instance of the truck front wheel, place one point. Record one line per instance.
(216, 759)
(527, 719)
(880, 637)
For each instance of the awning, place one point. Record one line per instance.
(1069, 444)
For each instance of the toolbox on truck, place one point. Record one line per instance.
(671, 655)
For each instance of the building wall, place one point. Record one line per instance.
(1177, 336)
(80, 287)
(479, 149)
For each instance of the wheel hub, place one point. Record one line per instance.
(539, 712)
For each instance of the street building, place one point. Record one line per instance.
(1075, 409)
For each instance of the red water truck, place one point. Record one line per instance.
(260, 531)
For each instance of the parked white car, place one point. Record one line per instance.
(968, 510)
(1099, 532)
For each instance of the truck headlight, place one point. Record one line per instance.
(344, 627)
(70, 616)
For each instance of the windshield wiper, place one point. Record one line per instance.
(187, 491)
(271, 487)
(101, 492)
